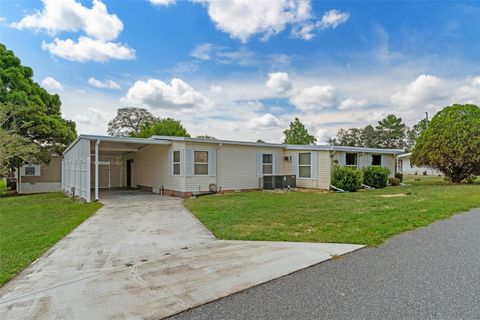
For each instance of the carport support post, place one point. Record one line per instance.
(96, 169)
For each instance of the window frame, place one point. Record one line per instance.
(267, 164)
(309, 165)
(174, 163)
(356, 159)
(30, 174)
(376, 165)
(195, 163)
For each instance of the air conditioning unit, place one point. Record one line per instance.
(279, 182)
(287, 158)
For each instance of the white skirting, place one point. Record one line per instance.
(39, 187)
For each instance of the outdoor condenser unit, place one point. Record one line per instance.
(279, 182)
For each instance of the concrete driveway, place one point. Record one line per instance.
(144, 256)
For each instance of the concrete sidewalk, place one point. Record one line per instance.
(145, 256)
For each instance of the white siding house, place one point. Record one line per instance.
(405, 166)
(186, 166)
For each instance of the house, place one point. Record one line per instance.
(36, 178)
(404, 166)
(187, 166)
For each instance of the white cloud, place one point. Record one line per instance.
(469, 92)
(107, 84)
(88, 49)
(202, 51)
(216, 89)
(351, 103)
(51, 84)
(279, 82)
(241, 57)
(424, 90)
(267, 120)
(71, 16)
(158, 94)
(304, 31)
(223, 55)
(242, 19)
(162, 2)
(314, 98)
(322, 135)
(93, 117)
(100, 28)
(332, 19)
(476, 81)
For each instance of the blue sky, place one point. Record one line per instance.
(244, 69)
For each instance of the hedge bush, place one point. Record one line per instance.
(399, 175)
(347, 178)
(376, 177)
(394, 181)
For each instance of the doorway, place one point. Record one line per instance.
(129, 173)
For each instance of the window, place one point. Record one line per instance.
(351, 159)
(176, 162)
(201, 162)
(30, 171)
(376, 160)
(400, 165)
(305, 165)
(267, 163)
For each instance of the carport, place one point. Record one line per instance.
(99, 162)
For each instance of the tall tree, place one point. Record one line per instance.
(28, 110)
(355, 137)
(15, 151)
(391, 132)
(415, 132)
(297, 133)
(163, 127)
(130, 121)
(451, 143)
(368, 137)
(350, 137)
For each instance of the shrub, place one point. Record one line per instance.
(394, 181)
(376, 177)
(347, 178)
(399, 175)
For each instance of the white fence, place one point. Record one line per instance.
(76, 169)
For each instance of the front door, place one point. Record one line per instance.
(129, 173)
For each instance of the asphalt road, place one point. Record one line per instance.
(429, 273)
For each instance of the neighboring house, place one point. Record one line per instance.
(35, 178)
(187, 166)
(404, 166)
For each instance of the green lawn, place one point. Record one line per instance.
(30, 224)
(3, 187)
(365, 217)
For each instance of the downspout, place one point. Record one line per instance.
(96, 169)
(19, 180)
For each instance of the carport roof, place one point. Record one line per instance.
(167, 140)
(142, 141)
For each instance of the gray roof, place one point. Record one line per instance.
(280, 145)
(166, 140)
(116, 139)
